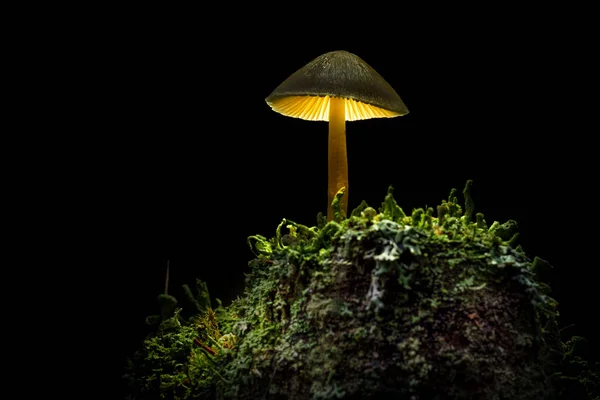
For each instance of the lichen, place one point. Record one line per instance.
(377, 305)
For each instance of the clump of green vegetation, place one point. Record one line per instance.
(380, 304)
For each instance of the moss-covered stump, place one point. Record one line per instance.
(377, 305)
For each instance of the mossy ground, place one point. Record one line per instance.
(432, 305)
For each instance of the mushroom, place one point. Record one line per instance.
(336, 87)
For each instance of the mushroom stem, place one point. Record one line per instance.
(337, 158)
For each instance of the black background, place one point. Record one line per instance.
(195, 161)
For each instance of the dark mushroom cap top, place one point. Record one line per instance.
(306, 93)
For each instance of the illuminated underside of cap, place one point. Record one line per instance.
(316, 108)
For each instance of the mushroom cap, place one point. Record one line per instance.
(307, 92)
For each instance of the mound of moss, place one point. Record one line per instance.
(431, 305)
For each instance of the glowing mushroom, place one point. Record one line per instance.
(336, 87)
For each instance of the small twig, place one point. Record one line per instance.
(566, 327)
(205, 347)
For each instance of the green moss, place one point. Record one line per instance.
(377, 305)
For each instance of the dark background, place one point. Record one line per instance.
(196, 161)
